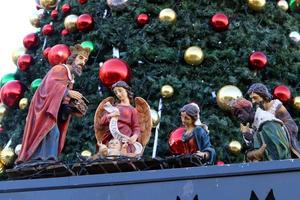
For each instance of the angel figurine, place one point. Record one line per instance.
(116, 118)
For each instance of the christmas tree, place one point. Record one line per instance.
(196, 47)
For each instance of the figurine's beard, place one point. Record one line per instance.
(77, 69)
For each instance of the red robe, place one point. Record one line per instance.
(43, 111)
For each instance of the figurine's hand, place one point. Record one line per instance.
(245, 129)
(204, 155)
(115, 114)
(133, 139)
(103, 150)
(74, 94)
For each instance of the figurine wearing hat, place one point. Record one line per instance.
(45, 130)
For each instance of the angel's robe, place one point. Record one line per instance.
(128, 123)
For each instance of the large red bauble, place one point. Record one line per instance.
(82, 1)
(46, 52)
(175, 141)
(54, 14)
(114, 70)
(30, 41)
(66, 8)
(258, 60)
(11, 93)
(142, 19)
(65, 32)
(282, 93)
(47, 29)
(58, 54)
(220, 22)
(85, 22)
(24, 62)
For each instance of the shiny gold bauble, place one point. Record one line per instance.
(234, 147)
(155, 117)
(48, 4)
(256, 5)
(283, 5)
(7, 156)
(166, 91)
(2, 168)
(70, 22)
(193, 55)
(35, 20)
(296, 102)
(167, 15)
(226, 94)
(23, 103)
(86, 153)
(18, 149)
(17, 53)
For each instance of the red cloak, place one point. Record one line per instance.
(43, 111)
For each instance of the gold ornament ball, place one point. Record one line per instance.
(234, 147)
(166, 91)
(193, 55)
(283, 5)
(167, 15)
(296, 102)
(17, 53)
(86, 153)
(35, 20)
(48, 4)
(70, 22)
(256, 5)
(7, 156)
(226, 94)
(155, 117)
(23, 103)
(18, 149)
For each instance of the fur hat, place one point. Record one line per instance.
(79, 50)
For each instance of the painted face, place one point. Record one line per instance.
(256, 99)
(121, 93)
(79, 64)
(186, 119)
(244, 115)
(114, 144)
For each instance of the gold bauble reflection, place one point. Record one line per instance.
(283, 5)
(234, 147)
(167, 15)
(7, 156)
(35, 20)
(23, 103)
(86, 153)
(193, 55)
(17, 53)
(155, 117)
(296, 102)
(70, 22)
(2, 168)
(166, 91)
(227, 94)
(256, 5)
(18, 149)
(48, 4)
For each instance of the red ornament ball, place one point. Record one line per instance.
(66, 8)
(58, 54)
(219, 22)
(82, 1)
(175, 141)
(24, 62)
(30, 41)
(54, 14)
(258, 60)
(282, 93)
(47, 29)
(142, 19)
(65, 32)
(11, 93)
(85, 22)
(114, 70)
(46, 52)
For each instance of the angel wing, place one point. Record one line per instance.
(99, 131)
(145, 120)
